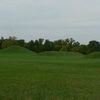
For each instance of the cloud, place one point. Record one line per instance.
(50, 16)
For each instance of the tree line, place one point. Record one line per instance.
(42, 45)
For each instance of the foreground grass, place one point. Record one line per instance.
(43, 77)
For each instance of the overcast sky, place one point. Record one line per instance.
(52, 19)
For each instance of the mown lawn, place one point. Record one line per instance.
(45, 77)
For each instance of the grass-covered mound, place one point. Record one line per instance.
(61, 54)
(16, 50)
(41, 77)
(95, 55)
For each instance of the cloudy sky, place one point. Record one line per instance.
(52, 19)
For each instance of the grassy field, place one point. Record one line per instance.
(25, 75)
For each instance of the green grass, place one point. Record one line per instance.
(47, 76)
(95, 55)
(16, 49)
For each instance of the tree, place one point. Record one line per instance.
(94, 46)
(48, 46)
(58, 44)
(76, 47)
(21, 43)
(38, 45)
(30, 45)
(1, 41)
(9, 42)
(83, 49)
(69, 44)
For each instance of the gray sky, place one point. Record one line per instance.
(52, 19)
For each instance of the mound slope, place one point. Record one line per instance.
(94, 55)
(61, 53)
(16, 50)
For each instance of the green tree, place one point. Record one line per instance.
(21, 43)
(83, 49)
(9, 42)
(58, 45)
(48, 46)
(93, 46)
(30, 45)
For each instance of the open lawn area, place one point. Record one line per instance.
(25, 75)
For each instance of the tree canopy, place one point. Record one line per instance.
(41, 45)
